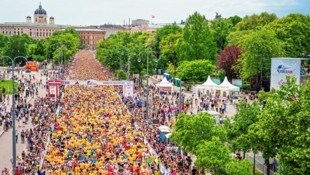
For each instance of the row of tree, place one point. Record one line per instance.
(277, 125)
(59, 47)
(243, 48)
(199, 135)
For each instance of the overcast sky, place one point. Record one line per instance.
(88, 12)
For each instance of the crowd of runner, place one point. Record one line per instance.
(99, 131)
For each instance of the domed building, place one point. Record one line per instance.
(42, 27)
(40, 15)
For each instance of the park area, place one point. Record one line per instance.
(6, 87)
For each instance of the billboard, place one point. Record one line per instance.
(237, 82)
(282, 67)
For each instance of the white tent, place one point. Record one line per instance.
(164, 128)
(209, 86)
(228, 86)
(209, 83)
(165, 85)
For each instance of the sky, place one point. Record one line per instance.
(96, 12)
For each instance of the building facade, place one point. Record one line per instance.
(41, 27)
(90, 37)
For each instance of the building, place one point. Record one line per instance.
(41, 27)
(140, 23)
(90, 37)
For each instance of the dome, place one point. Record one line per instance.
(40, 11)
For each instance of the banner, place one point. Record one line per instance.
(282, 67)
(237, 82)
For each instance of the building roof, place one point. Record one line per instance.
(88, 30)
(40, 11)
(25, 24)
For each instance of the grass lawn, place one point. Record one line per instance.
(7, 85)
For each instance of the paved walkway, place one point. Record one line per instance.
(6, 136)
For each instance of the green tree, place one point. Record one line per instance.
(4, 41)
(197, 40)
(62, 44)
(283, 127)
(17, 46)
(161, 34)
(190, 131)
(238, 168)
(259, 47)
(235, 19)
(168, 47)
(212, 155)
(221, 27)
(121, 75)
(256, 22)
(197, 70)
(237, 131)
(294, 30)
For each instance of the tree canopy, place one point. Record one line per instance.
(197, 40)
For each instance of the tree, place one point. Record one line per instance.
(294, 30)
(235, 20)
(194, 71)
(212, 155)
(256, 22)
(227, 58)
(237, 131)
(17, 46)
(62, 44)
(221, 27)
(190, 131)
(168, 47)
(283, 127)
(248, 25)
(258, 49)
(238, 168)
(121, 75)
(4, 40)
(162, 33)
(197, 40)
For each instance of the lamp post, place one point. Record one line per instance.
(13, 109)
(178, 83)
(128, 69)
(147, 86)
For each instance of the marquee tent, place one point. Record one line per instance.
(165, 86)
(228, 86)
(208, 86)
(224, 89)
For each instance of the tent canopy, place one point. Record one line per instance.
(209, 82)
(164, 83)
(164, 128)
(226, 85)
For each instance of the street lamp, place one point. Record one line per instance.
(13, 109)
(178, 82)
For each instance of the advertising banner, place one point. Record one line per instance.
(282, 67)
(237, 82)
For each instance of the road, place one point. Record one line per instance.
(6, 137)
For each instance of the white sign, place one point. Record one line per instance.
(282, 67)
(128, 89)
